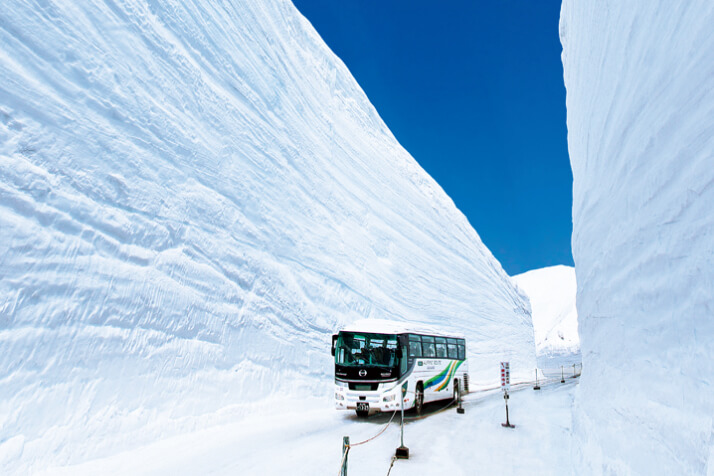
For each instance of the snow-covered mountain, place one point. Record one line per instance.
(555, 320)
(640, 100)
(193, 196)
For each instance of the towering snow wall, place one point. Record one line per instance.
(193, 196)
(640, 99)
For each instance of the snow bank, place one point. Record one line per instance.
(640, 100)
(193, 196)
(551, 292)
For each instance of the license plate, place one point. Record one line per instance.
(362, 407)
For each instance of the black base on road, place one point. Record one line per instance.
(536, 387)
(507, 425)
(402, 452)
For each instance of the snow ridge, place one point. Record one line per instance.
(193, 196)
(551, 292)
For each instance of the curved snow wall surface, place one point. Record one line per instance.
(640, 99)
(193, 197)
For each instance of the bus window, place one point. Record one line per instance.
(462, 353)
(429, 350)
(357, 349)
(441, 351)
(451, 341)
(453, 353)
(414, 349)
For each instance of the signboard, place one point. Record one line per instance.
(505, 375)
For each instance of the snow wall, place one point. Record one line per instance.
(640, 100)
(193, 197)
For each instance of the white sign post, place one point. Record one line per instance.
(505, 386)
(505, 376)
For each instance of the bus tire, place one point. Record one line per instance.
(362, 413)
(419, 399)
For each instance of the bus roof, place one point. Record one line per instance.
(383, 326)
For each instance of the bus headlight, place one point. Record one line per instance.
(339, 396)
(389, 398)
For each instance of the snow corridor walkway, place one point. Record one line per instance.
(307, 440)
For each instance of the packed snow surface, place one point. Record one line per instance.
(193, 196)
(640, 99)
(551, 292)
(309, 442)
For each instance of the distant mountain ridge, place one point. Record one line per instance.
(552, 293)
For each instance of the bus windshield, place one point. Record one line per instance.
(358, 349)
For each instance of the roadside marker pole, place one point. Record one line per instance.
(537, 387)
(345, 450)
(402, 451)
(508, 423)
(562, 374)
(505, 386)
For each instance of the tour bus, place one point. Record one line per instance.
(374, 359)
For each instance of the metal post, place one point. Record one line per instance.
(508, 423)
(402, 451)
(537, 387)
(574, 371)
(345, 449)
(402, 422)
(562, 374)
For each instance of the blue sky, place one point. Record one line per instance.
(474, 91)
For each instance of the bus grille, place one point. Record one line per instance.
(364, 386)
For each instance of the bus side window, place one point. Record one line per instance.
(440, 347)
(453, 353)
(428, 346)
(462, 353)
(414, 349)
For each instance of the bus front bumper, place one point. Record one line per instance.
(378, 401)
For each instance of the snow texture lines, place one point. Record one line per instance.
(193, 196)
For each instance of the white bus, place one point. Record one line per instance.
(375, 358)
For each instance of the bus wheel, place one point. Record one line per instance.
(362, 413)
(419, 399)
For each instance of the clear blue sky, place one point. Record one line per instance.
(474, 91)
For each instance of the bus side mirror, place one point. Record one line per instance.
(334, 343)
